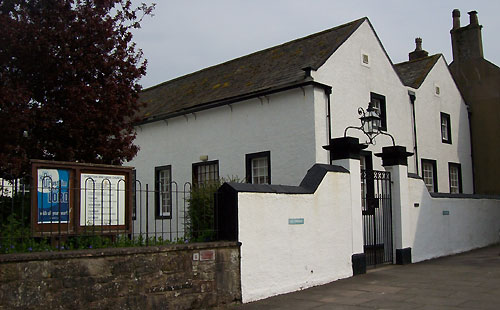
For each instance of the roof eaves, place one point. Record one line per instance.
(226, 101)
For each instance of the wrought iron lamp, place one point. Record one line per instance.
(370, 124)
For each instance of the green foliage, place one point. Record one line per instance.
(69, 81)
(200, 214)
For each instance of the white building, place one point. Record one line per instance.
(265, 117)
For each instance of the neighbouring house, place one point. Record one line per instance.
(479, 82)
(440, 124)
(265, 117)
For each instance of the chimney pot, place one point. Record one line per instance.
(418, 44)
(473, 18)
(418, 52)
(456, 18)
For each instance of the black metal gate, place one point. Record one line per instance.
(377, 216)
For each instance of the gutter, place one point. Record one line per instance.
(227, 101)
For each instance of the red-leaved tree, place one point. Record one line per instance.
(68, 81)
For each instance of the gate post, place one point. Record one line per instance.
(345, 152)
(395, 160)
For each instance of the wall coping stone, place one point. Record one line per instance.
(309, 184)
(91, 253)
(464, 196)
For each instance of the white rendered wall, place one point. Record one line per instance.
(471, 223)
(277, 257)
(428, 108)
(352, 83)
(282, 123)
(288, 124)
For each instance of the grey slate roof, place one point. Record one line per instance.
(264, 70)
(412, 73)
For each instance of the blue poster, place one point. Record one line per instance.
(53, 196)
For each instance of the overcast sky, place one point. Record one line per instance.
(185, 36)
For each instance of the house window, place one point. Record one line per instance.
(379, 103)
(258, 168)
(429, 174)
(455, 174)
(445, 128)
(163, 191)
(365, 59)
(205, 173)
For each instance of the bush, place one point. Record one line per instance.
(200, 214)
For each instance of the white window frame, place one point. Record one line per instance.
(455, 178)
(163, 189)
(258, 167)
(429, 174)
(205, 173)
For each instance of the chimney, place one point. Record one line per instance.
(456, 18)
(466, 42)
(473, 18)
(418, 52)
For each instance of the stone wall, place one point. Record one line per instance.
(191, 276)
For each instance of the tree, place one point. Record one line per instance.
(68, 81)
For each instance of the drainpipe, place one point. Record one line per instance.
(413, 97)
(469, 112)
(328, 92)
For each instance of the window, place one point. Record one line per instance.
(429, 174)
(445, 128)
(379, 103)
(163, 191)
(365, 59)
(455, 174)
(258, 168)
(205, 173)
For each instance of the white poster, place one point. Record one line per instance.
(102, 199)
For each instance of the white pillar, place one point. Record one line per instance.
(394, 160)
(353, 166)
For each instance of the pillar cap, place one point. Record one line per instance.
(394, 156)
(345, 147)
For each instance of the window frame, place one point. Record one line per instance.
(383, 109)
(459, 175)
(158, 213)
(433, 163)
(248, 165)
(447, 117)
(195, 166)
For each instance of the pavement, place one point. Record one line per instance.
(469, 280)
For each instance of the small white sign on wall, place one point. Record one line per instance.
(296, 221)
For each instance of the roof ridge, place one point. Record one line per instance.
(419, 59)
(359, 20)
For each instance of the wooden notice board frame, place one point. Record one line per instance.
(70, 193)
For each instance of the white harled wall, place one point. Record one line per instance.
(428, 108)
(278, 257)
(282, 123)
(445, 226)
(352, 83)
